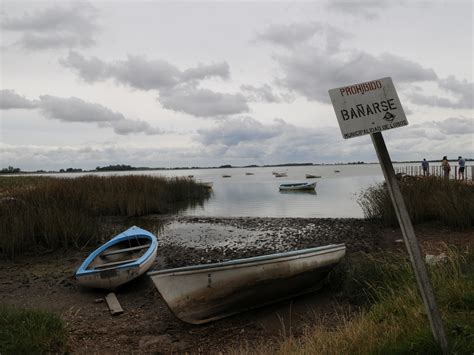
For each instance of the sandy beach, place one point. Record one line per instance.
(46, 281)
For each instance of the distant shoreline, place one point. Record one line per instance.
(121, 168)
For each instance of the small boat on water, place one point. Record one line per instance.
(280, 175)
(337, 171)
(301, 186)
(310, 176)
(248, 173)
(122, 259)
(203, 293)
(226, 176)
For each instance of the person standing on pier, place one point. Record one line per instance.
(462, 164)
(446, 167)
(426, 167)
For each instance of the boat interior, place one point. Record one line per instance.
(120, 253)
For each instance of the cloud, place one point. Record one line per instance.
(461, 89)
(90, 70)
(9, 99)
(74, 109)
(316, 66)
(178, 89)
(140, 73)
(263, 93)
(234, 131)
(455, 125)
(312, 73)
(289, 35)
(58, 26)
(368, 9)
(295, 35)
(202, 102)
(246, 138)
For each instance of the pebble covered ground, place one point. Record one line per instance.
(209, 240)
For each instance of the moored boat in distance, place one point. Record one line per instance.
(226, 176)
(280, 174)
(120, 260)
(301, 186)
(203, 293)
(310, 176)
(248, 173)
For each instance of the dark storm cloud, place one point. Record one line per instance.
(9, 99)
(59, 26)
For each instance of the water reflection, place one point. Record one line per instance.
(311, 192)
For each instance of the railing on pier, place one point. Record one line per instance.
(436, 170)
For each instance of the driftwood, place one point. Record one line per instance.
(113, 304)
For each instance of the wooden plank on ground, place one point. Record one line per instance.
(113, 304)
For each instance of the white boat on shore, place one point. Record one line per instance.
(301, 186)
(203, 293)
(120, 260)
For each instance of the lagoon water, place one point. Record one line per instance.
(257, 195)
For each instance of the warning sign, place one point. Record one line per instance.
(367, 108)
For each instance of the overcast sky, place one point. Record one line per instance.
(165, 84)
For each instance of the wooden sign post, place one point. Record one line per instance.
(369, 108)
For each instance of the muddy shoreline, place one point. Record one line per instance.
(147, 326)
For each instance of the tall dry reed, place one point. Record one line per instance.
(428, 199)
(56, 213)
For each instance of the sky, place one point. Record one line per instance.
(173, 84)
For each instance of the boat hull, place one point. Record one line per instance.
(110, 279)
(203, 293)
(120, 266)
(297, 187)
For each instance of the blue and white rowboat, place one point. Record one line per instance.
(121, 259)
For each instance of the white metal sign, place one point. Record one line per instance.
(367, 108)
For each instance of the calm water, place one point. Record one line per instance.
(257, 195)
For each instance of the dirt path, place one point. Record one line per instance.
(147, 325)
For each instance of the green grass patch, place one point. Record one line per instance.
(427, 199)
(52, 213)
(30, 332)
(392, 318)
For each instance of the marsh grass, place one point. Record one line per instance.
(392, 318)
(48, 212)
(30, 332)
(428, 199)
